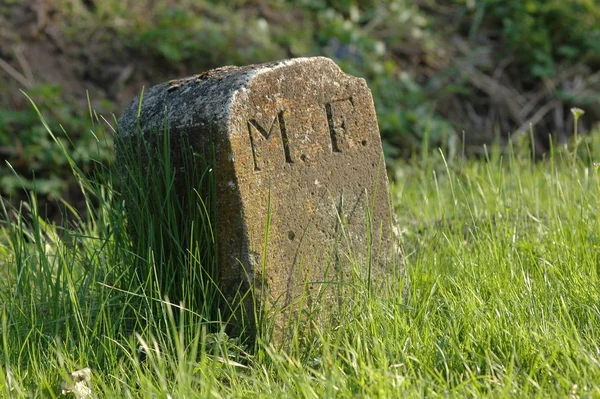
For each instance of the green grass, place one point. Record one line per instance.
(502, 261)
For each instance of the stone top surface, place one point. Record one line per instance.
(208, 94)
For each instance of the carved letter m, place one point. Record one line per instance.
(252, 123)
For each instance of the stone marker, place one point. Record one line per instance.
(298, 159)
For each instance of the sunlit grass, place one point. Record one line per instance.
(502, 261)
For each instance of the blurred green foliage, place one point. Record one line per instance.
(542, 33)
(33, 158)
(178, 37)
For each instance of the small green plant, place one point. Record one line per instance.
(577, 113)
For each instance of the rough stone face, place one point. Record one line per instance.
(298, 160)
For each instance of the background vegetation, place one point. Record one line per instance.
(458, 73)
(501, 249)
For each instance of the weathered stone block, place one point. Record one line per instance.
(298, 167)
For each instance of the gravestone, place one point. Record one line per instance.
(302, 199)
